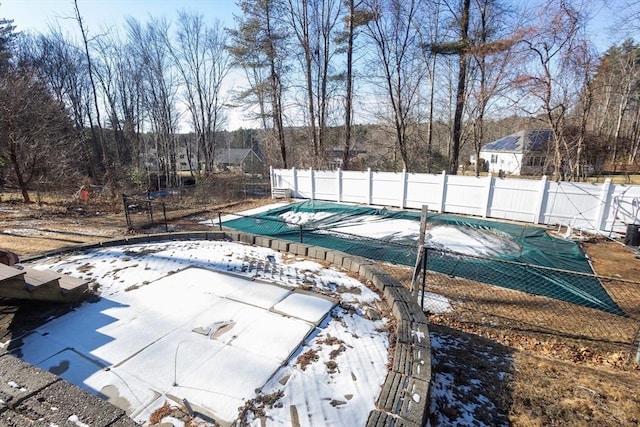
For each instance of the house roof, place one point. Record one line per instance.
(519, 142)
(232, 156)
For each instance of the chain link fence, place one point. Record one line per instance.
(534, 305)
(505, 300)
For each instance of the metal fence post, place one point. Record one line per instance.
(637, 340)
(150, 210)
(220, 220)
(301, 239)
(425, 252)
(164, 212)
(126, 210)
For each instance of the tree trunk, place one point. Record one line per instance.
(276, 91)
(348, 89)
(460, 92)
(22, 185)
(105, 157)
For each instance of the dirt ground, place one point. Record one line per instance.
(548, 383)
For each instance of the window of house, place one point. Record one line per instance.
(494, 158)
(535, 161)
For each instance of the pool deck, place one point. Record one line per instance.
(31, 396)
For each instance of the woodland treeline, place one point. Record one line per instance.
(415, 84)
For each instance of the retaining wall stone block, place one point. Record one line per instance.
(383, 419)
(317, 252)
(405, 397)
(298, 249)
(280, 245)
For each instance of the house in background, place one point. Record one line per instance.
(522, 153)
(246, 160)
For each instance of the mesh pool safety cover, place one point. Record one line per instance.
(391, 236)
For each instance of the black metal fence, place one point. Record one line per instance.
(139, 211)
(157, 209)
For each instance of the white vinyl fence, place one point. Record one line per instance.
(604, 207)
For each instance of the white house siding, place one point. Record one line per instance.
(509, 163)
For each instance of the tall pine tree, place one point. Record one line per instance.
(7, 40)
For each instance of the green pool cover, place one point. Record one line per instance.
(539, 265)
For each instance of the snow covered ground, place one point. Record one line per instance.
(218, 324)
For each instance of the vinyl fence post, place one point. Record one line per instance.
(403, 190)
(603, 213)
(370, 185)
(542, 197)
(443, 192)
(488, 196)
(338, 185)
(312, 177)
(271, 179)
(294, 178)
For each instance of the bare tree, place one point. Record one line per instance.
(356, 17)
(160, 90)
(35, 132)
(314, 23)
(7, 39)
(429, 34)
(129, 87)
(460, 47)
(258, 46)
(62, 67)
(491, 54)
(581, 65)
(395, 37)
(106, 161)
(203, 63)
(616, 92)
(542, 79)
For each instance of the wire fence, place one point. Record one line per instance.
(507, 300)
(159, 208)
(534, 304)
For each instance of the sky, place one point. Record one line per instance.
(36, 15)
(100, 15)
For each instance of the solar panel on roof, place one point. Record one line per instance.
(508, 143)
(538, 140)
